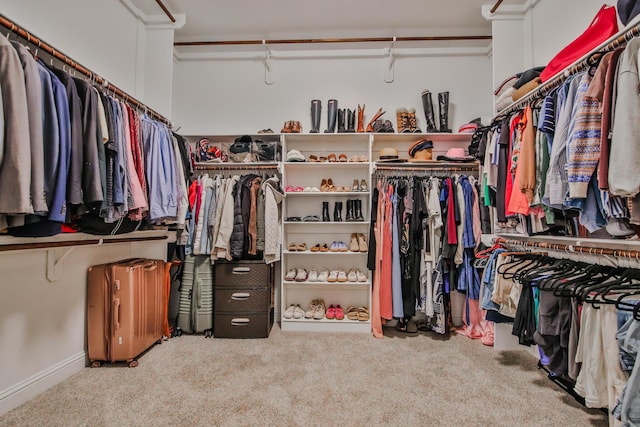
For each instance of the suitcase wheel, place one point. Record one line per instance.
(96, 364)
(208, 333)
(133, 363)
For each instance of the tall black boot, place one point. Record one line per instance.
(316, 111)
(357, 211)
(337, 212)
(325, 212)
(341, 128)
(350, 204)
(332, 111)
(443, 104)
(429, 114)
(351, 121)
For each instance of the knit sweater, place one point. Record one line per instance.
(583, 147)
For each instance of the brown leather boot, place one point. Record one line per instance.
(378, 114)
(296, 127)
(360, 119)
(286, 128)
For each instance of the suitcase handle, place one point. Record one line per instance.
(116, 314)
(241, 270)
(240, 296)
(150, 266)
(240, 321)
(197, 293)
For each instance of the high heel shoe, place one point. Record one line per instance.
(362, 243)
(363, 185)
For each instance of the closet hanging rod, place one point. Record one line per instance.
(166, 11)
(541, 91)
(619, 253)
(215, 166)
(41, 44)
(331, 40)
(496, 6)
(435, 168)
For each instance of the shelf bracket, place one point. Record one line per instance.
(54, 266)
(389, 62)
(269, 71)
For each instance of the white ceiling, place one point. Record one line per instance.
(270, 19)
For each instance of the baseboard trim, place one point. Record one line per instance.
(23, 391)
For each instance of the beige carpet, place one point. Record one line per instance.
(293, 379)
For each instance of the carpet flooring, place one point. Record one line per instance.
(312, 379)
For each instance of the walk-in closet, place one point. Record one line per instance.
(324, 213)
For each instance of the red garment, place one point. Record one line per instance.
(138, 160)
(386, 298)
(452, 230)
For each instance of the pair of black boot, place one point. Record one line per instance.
(443, 110)
(354, 211)
(346, 118)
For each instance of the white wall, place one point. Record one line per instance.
(556, 23)
(107, 38)
(230, 95)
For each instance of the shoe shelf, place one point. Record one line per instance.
(325, 285)
(301, 204)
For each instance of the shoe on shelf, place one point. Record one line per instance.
(315, 248)
(298, 312)
(333, 276)
(352, 312)
(352, 276)
(339, 313)
(323, 275)
(313, 275)
(363, 314)
(320, 310)
(311, 308)
(362, 242)
(323, 185)
(343, 247)
(291, 275)
(355, 247)
(303, 247)
(289, 312)
(355, 186)
(361, 277)
(363, 185)
(302, 275)
(293, 247)
(335, 247)
(324, 248)
(331, 312)
(342, 276)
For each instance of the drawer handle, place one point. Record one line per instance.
(240, 321)
(240, 296)
(241, 270)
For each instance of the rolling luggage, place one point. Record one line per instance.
(195, 311)
(126, 309)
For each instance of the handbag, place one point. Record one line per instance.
(603, 26)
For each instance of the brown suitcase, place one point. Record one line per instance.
(126, 308)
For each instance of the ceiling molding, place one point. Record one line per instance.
(157, 22)
(334, 54)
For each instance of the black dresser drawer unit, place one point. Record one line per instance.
(243, 299)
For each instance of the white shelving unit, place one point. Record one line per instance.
(303, 204)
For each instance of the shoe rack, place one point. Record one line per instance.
(299, 205)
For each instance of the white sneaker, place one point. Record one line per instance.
(291, 274)
(333, 276)
(289, 312)
(313, 275)
(323, 276)
(311, 309)
(342, 276)
(298, 312)
(351, 276)
(320, 310)
(361, 276)
(302, 275)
